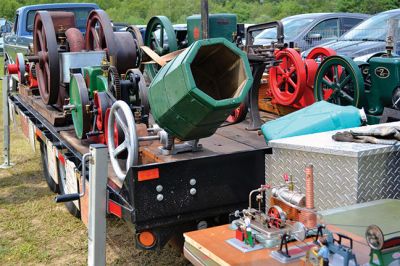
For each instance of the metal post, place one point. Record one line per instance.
(204, 19)
(391, 37)
(97, 205)
(6, 125)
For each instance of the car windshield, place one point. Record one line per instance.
(81, 15)
(373, 29)
(292, 27)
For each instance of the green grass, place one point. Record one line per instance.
(36, 231)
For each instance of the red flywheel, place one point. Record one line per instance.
(288, 79)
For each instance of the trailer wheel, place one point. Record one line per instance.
(49, 180)
(72, 209)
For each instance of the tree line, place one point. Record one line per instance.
(248, 11)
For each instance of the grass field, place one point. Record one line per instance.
(34, 230)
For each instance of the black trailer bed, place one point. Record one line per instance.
(196, 186)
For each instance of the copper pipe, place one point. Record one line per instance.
(309, 186)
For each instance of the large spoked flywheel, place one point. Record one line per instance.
(288, 79)
(46, 49)
(121, 115)
(79, 99)
(160, 37)
(99, 33)
(344, 87)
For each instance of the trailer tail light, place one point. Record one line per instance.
(147, 239)
(114, 208)
(149, 174)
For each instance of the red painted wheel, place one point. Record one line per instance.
(238, 115)
(311, 69)
(288, 80)
(277, 217)
(119, 136)
(101, 103)
(107, 115)
(320, 53)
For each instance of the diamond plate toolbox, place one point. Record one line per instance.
(344, 173)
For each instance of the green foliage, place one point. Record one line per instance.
(249, 11)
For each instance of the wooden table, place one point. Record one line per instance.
(209, 246)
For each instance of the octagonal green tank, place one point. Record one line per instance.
(222, 25)
(192, 95)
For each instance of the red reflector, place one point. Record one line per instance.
(114, 208)
(148, 174)
(61, 158)
(38, 133)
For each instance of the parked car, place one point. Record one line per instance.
(5, 26)
(367, 38)
(310, 30)
(21, 35)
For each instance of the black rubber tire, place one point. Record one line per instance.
(72, 209)
(49, 180)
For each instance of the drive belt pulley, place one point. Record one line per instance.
(46, 49)
(161, 38)
(340, 81)
(120, 47)
(79, 101)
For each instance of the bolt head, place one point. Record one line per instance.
(160, 197)
(159, 188)
(192, 182)
(193, 191)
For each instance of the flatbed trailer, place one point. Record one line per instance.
(165, 194)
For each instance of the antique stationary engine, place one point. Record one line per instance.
(291, 214)
(291, 81)
(373, 84)
(93, 89)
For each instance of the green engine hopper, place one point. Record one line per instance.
(193, 94)
(385, 78)
(220, 25)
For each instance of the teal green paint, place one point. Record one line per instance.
(318, 117)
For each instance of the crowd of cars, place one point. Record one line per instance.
(350, 34)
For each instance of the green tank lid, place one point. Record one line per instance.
(220, 25)
(193, 94)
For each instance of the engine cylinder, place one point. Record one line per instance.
(293, 197)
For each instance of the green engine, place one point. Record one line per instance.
(220, 25)
(385, 78)
(372, 85)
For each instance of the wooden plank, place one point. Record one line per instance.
(238, 133)
(26, 91)
(82, 146)
(53, 116)
(211, 244)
